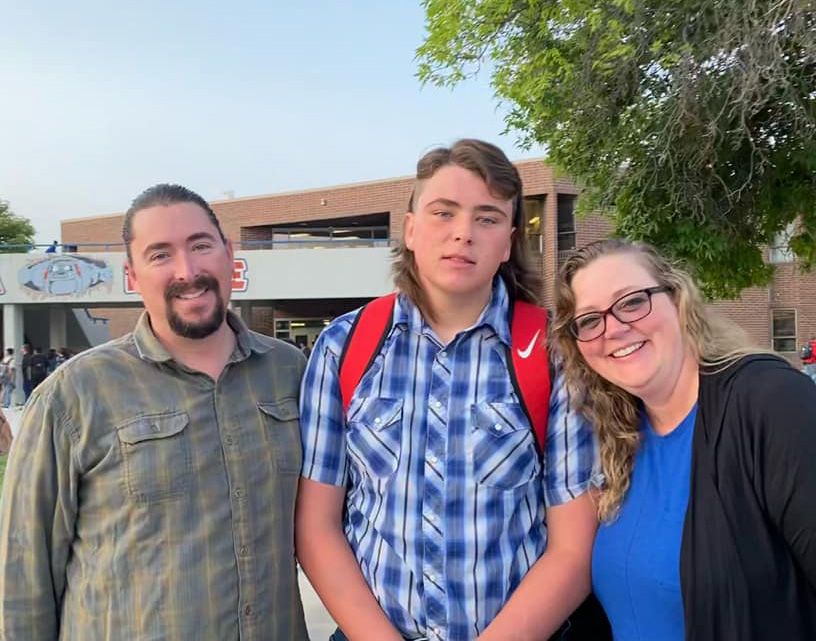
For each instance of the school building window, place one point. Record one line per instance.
(566, 222)
(783, 330)
(534, 209)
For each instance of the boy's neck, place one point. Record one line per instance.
(452, 314)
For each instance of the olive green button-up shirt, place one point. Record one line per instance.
(144, 501)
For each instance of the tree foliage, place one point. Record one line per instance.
(691, 123)
(14, 230)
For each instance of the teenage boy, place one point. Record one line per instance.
(421, 510)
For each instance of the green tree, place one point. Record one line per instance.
(691, 123)
(14, 230)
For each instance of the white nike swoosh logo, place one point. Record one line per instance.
(526, 352)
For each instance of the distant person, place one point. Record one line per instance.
(7, 376)
(808, 356)
(52, 248)
(25, 367)
(39, 367)
(52, 359)
(62, 355)
(151, 493)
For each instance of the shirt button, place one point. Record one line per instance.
(432, 459)
(431, 517)
(497, 427)
(437, 404)
(238, 493)
(243, 550)
(155, 428)
(230, 440)
(443, 354)
(377, 421)
(248, 610)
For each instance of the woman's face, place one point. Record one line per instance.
(644, 357)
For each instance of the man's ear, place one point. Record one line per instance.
(130, 275)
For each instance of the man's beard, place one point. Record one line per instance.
(203, 328)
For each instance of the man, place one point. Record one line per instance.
(421, 513)
(25, 367)
(52, 248)
(39, 367)
(152, 493)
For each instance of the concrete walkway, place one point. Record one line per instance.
(318, 621)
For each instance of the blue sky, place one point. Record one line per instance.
(102, 99)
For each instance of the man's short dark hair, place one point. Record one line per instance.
(164, 194)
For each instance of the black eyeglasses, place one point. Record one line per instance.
(628, 308)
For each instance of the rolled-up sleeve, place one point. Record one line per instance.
(37, 516)
(571, 457)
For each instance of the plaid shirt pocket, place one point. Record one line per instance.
(504, 450)
(156, 453)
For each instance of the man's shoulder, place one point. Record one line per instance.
(275, 349)
(113, 353)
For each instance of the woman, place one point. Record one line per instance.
(708, 447)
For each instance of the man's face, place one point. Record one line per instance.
(182, 269)
(460, 234)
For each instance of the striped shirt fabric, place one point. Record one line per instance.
(144, 501)
(445, 509)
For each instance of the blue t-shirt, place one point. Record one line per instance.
(636, 558)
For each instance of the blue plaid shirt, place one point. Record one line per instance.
(446, 491)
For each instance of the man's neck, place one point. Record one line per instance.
(452, 314)
(208, 355)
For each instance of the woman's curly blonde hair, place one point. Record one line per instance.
(614, 413)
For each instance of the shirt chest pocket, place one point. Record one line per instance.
(282, 431)
(156, 456)
(374, 435)
(504, 449)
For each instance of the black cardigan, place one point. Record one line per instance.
(748, 556)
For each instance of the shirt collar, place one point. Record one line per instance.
(495, 314)
(151, 349)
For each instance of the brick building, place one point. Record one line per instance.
(780, 316)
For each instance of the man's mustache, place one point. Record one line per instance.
(179, 287)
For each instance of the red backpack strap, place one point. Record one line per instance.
(530, 370)
(363, 343)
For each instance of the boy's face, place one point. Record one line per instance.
(459, 233)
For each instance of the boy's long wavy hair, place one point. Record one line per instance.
(502, 178)
(614, 413)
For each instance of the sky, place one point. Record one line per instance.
(100, 99)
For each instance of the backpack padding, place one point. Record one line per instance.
(530, 371)
(365, 340)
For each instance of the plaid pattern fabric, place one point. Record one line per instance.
(143, 500)
(447, 494)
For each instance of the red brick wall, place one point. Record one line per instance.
(790, 290)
